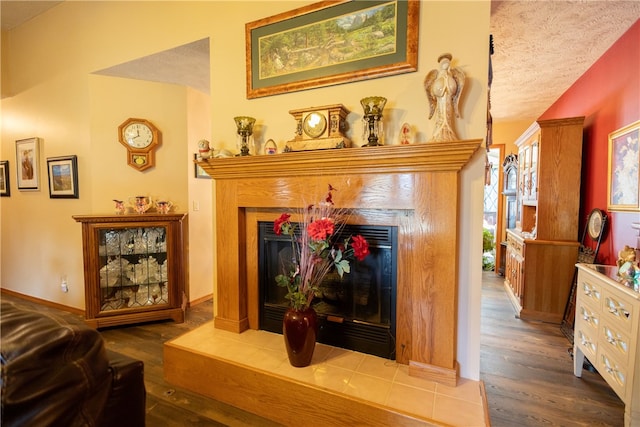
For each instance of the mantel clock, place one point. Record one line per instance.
(319, 128)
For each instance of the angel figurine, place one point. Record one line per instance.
(444, 86)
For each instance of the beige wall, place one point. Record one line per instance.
(201, 257)
(49, 92)
(507, 132)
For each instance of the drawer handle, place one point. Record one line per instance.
(616, 311)
(585, 343)
(587, 292)
(612, 340)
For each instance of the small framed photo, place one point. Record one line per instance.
(199, 172)
(5, 187)
(28, 164)
(623, 186)
(63, 177)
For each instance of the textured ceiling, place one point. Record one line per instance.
(541, 49)
(187, 65)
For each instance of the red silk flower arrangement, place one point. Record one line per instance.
(315, 250)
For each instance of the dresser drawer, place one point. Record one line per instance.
(618, 310)
(515, 245)
(613, 372)
(588, 318)
(589, 291)
(616, 343)
(586, 339)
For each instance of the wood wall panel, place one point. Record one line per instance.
(230, 271)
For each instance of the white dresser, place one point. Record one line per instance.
(606, 332)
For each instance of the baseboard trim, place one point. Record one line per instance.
(44, 302)
(200, 300)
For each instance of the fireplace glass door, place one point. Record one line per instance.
(356, 311)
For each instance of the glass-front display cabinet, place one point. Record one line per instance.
(135, 267)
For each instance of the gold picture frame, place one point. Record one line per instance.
(329, 43)
(623, 177)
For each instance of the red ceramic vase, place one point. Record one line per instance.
(300, 328)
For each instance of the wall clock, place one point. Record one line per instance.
(318, 128)
(595, 224)
(141, 138)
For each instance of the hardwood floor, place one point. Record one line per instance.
(526, 368)
(528, 371)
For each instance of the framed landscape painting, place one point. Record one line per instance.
(329, 43)
(63, 177)
(623, 186)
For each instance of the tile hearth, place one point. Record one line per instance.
(371, 379)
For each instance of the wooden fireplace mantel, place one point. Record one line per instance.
(383, 159)
(414, 187)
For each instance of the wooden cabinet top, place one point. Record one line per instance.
(609, 275)
(146, 217)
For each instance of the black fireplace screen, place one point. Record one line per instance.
(356, 311)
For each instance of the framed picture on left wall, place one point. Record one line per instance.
(28, 164)
(5, 186)
(63, 177)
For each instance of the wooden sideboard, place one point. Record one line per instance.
(606, 333)
(538, 275)
(542, 249)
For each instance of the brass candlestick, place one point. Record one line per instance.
(245, 130)
(373, 106)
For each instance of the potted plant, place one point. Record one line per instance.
(316, 252)
(488, 247)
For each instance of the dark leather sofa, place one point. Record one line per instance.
(57, 372)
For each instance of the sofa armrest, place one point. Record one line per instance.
(54, 372)
(126, 403)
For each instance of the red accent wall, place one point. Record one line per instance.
(608, 95)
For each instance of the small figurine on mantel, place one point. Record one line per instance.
(204, 149)
(405, 134)
(444, 86)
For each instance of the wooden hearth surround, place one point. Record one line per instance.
(414, 187)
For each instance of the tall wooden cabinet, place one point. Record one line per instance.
(542, 249)
(135, 267)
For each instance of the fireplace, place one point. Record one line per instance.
(356, 311)
(416, 188)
